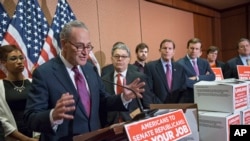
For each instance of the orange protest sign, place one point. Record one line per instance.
(168, 127)
(243, 72)
(218, 73)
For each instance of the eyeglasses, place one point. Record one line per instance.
(15, 58)
(120, 56)
(81, 47)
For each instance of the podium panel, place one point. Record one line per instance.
(116, 133)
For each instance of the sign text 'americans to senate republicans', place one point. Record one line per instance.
(167, 127)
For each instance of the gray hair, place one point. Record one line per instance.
(120, 45)
(66, 30)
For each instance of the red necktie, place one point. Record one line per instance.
(169, 76)
(195, 67)
(119, 82)
(119, 91)
(82, 90)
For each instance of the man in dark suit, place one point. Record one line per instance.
(196, 68)
(120, 61)
(157, 73)
(55, 104)
(110, 67)
(230, 68)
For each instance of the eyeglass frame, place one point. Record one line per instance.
(120, 56)
(83, 47)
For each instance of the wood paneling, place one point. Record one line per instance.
(233, 27)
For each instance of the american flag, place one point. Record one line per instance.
(27, 30)
(51, 47)
(5, 19)
(3, 27)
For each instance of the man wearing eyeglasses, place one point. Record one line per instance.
(67, 92)
(121, 74)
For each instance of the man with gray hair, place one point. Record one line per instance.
(230, 68)
(121, 74)
(67, 92)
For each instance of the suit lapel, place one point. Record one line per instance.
(160, 71)
(190, 66)
(63, 77)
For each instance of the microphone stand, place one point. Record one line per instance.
(144, 113)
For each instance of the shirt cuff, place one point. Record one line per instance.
(53, 123)
(124, 101)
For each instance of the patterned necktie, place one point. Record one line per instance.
(169, 76)
(119, 82)
(195, 67)
(82, 90)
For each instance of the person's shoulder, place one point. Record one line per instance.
(233, 60)
(181, 60)
(153, 62)
(48, 63)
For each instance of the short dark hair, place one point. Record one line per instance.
(212, 49)
(141, 46)
(5, 50)
(167, 40)
(193, 41)
(241, 40)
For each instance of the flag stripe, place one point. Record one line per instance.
(28, 29)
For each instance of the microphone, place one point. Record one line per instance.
(138, 101)
(144, 113)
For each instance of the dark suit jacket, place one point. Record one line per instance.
(205, 70)
(2, 137)
(158, 82)
(220, 64)
(230, 68)
(110, 68)
(148, 97)
(50, 81)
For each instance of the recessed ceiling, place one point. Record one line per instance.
(221, 4)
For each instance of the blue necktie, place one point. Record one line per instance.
(82, 90)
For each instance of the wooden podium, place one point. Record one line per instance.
(112, 133)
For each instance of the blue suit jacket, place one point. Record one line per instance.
(158, 82)
(50, 81)
(205, 70)
(230, 67)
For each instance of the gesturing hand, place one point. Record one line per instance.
(63, 105)
(136, 86)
